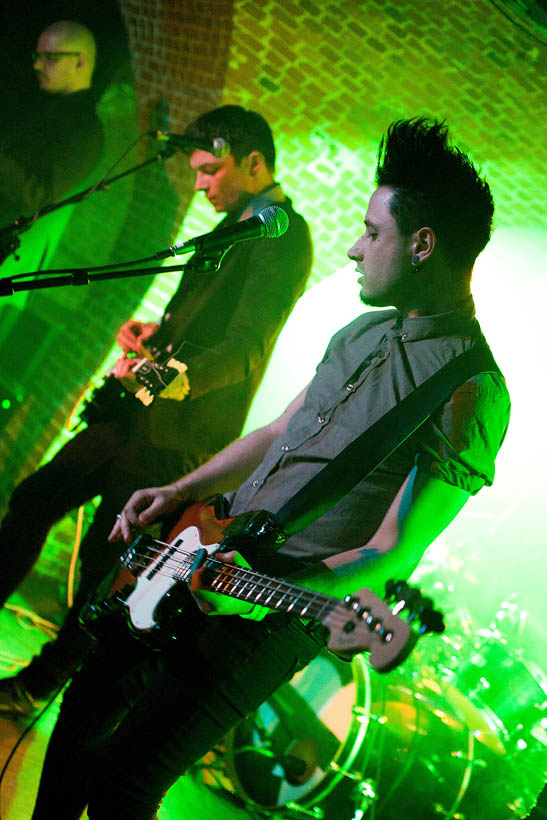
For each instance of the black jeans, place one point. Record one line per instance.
(106, 460)
(133, 720)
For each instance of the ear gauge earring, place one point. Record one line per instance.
(415, 261)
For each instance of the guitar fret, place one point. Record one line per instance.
(272, 594)
(304, 611)
(239, 586)
(244, 583)
(279, 595)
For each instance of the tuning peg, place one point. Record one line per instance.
(432, 621)
(404, 594)
(413, 599)
(396, 590)
(418, 605)
(424, 604)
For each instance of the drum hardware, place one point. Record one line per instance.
(299, 811)
(365, 795)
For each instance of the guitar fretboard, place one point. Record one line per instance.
(274, 593)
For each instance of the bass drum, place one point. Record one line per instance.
(302, 741)
(434, 750)
(339, 740)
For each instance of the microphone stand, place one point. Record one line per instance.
(80, 276)
(9, 236)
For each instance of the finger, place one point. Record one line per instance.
(204, 605)
(128, 336)
(122, 367)
(141, 350)
(125, 338)
(150, 513)
(127, 529)
(233, 557)
(116, 532)
(130, 514)
(196, 580)
(203, 599)
(123, 528)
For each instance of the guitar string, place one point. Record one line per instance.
(239, 579)
(316, 600)
(398, 605)
(171, 566)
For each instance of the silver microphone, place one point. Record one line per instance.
(269, 223)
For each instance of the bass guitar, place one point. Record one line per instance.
(150, 590)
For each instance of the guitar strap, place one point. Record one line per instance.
(372, 447)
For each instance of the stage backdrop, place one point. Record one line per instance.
(330, 76)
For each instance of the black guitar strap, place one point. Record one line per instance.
(368, 450)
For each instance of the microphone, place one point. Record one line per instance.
(270, 222)
(218, 146)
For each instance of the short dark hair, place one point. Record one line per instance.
(437, 185)
(243, 130)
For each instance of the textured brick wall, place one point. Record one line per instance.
(331, 76)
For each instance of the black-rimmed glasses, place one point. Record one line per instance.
(53, 56)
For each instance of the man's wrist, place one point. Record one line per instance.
(256, 613)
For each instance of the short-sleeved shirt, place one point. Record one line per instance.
(369, 366)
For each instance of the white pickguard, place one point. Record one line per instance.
(152, 585)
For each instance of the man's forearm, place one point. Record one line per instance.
(233, 465)
(229, 468)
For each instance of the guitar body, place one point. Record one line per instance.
(112, 400)
(150, 590)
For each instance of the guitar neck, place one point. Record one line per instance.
(273, 593)
(355, 623)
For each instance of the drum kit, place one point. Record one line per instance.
(457, 732)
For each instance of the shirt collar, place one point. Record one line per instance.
(426, 327)
(273, 193)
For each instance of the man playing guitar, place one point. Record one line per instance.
(133, 719)
(215, 337)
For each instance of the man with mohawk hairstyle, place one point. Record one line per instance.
(133, 720)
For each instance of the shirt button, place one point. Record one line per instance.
(321, 419)
(404, 337)
(350, 387)
(285, 447)
(255, 483)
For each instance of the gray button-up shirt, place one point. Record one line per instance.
(368, 367)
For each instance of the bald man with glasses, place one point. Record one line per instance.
(49, 148)
(64, 59)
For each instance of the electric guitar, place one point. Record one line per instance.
(150, 590)
(112, 399)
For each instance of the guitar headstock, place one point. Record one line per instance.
(403, 597)
(365, 622)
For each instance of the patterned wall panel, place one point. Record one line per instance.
(331, 76)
